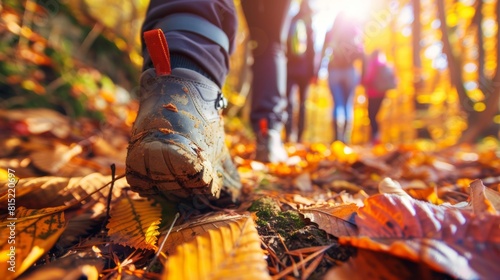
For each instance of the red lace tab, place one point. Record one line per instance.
(158, 50)
(263, 126)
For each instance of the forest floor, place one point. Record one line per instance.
(331, 212)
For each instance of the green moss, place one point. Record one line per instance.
(269, 214)
(288, 222)
(265, 208)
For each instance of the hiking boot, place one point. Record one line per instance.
(269, 145)
(177, 148)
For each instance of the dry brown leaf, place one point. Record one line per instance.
(335, 220)
(190, 230)
(444, 238)
(230, 251)
(76, 265)
(40, 120)
(494, 197)
(389, 186)
(49, 191)
(480, 203)
(135, 223)
(52, 160)
(28, 235)
(303, 182)
(78, 227)
(101, 147)
(442, 257)
(373, 265)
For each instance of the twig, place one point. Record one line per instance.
(310, 257)
(110, 195)
(91, 37)
(177, 215)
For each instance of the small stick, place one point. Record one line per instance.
(110, 195)
(177, 215)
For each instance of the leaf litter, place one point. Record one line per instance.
(331, 212)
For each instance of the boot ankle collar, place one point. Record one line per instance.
(194, 24)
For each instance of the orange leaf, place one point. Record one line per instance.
(374, 265)
(32, 233)
(446, 239)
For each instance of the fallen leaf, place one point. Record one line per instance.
(50, 191)
(31, 234)
(335, 220)
(480, 203)
(389, 186)
(51, 161)
(303, 182)
(135, 223)
(446, 239)
(428, 194)
(40, 120)
(493, 196)
(231, 251)
(78, 227)
(374, 265)
(190, 230)
(77, 265)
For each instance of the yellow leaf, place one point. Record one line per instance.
(27, 236)
(231, 251)
(190, 230)
(135, 223)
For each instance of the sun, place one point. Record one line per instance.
(357, 9)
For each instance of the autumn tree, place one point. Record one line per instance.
(478, 119)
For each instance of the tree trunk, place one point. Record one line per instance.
(480, 121)
(454, 66)
(416, 38)
(476, 22)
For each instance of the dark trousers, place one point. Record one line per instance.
(212, 58)
(292, 126)
(266, 21)
(374, 104)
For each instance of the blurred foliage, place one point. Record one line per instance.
(65, 55)
(55, 55)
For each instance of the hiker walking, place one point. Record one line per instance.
(343, 43)
(301, 69)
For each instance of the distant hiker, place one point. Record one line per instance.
(301, 68)
(378, 78)
(344, 42)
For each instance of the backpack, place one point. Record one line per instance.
(385, 78)
(297, 38)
